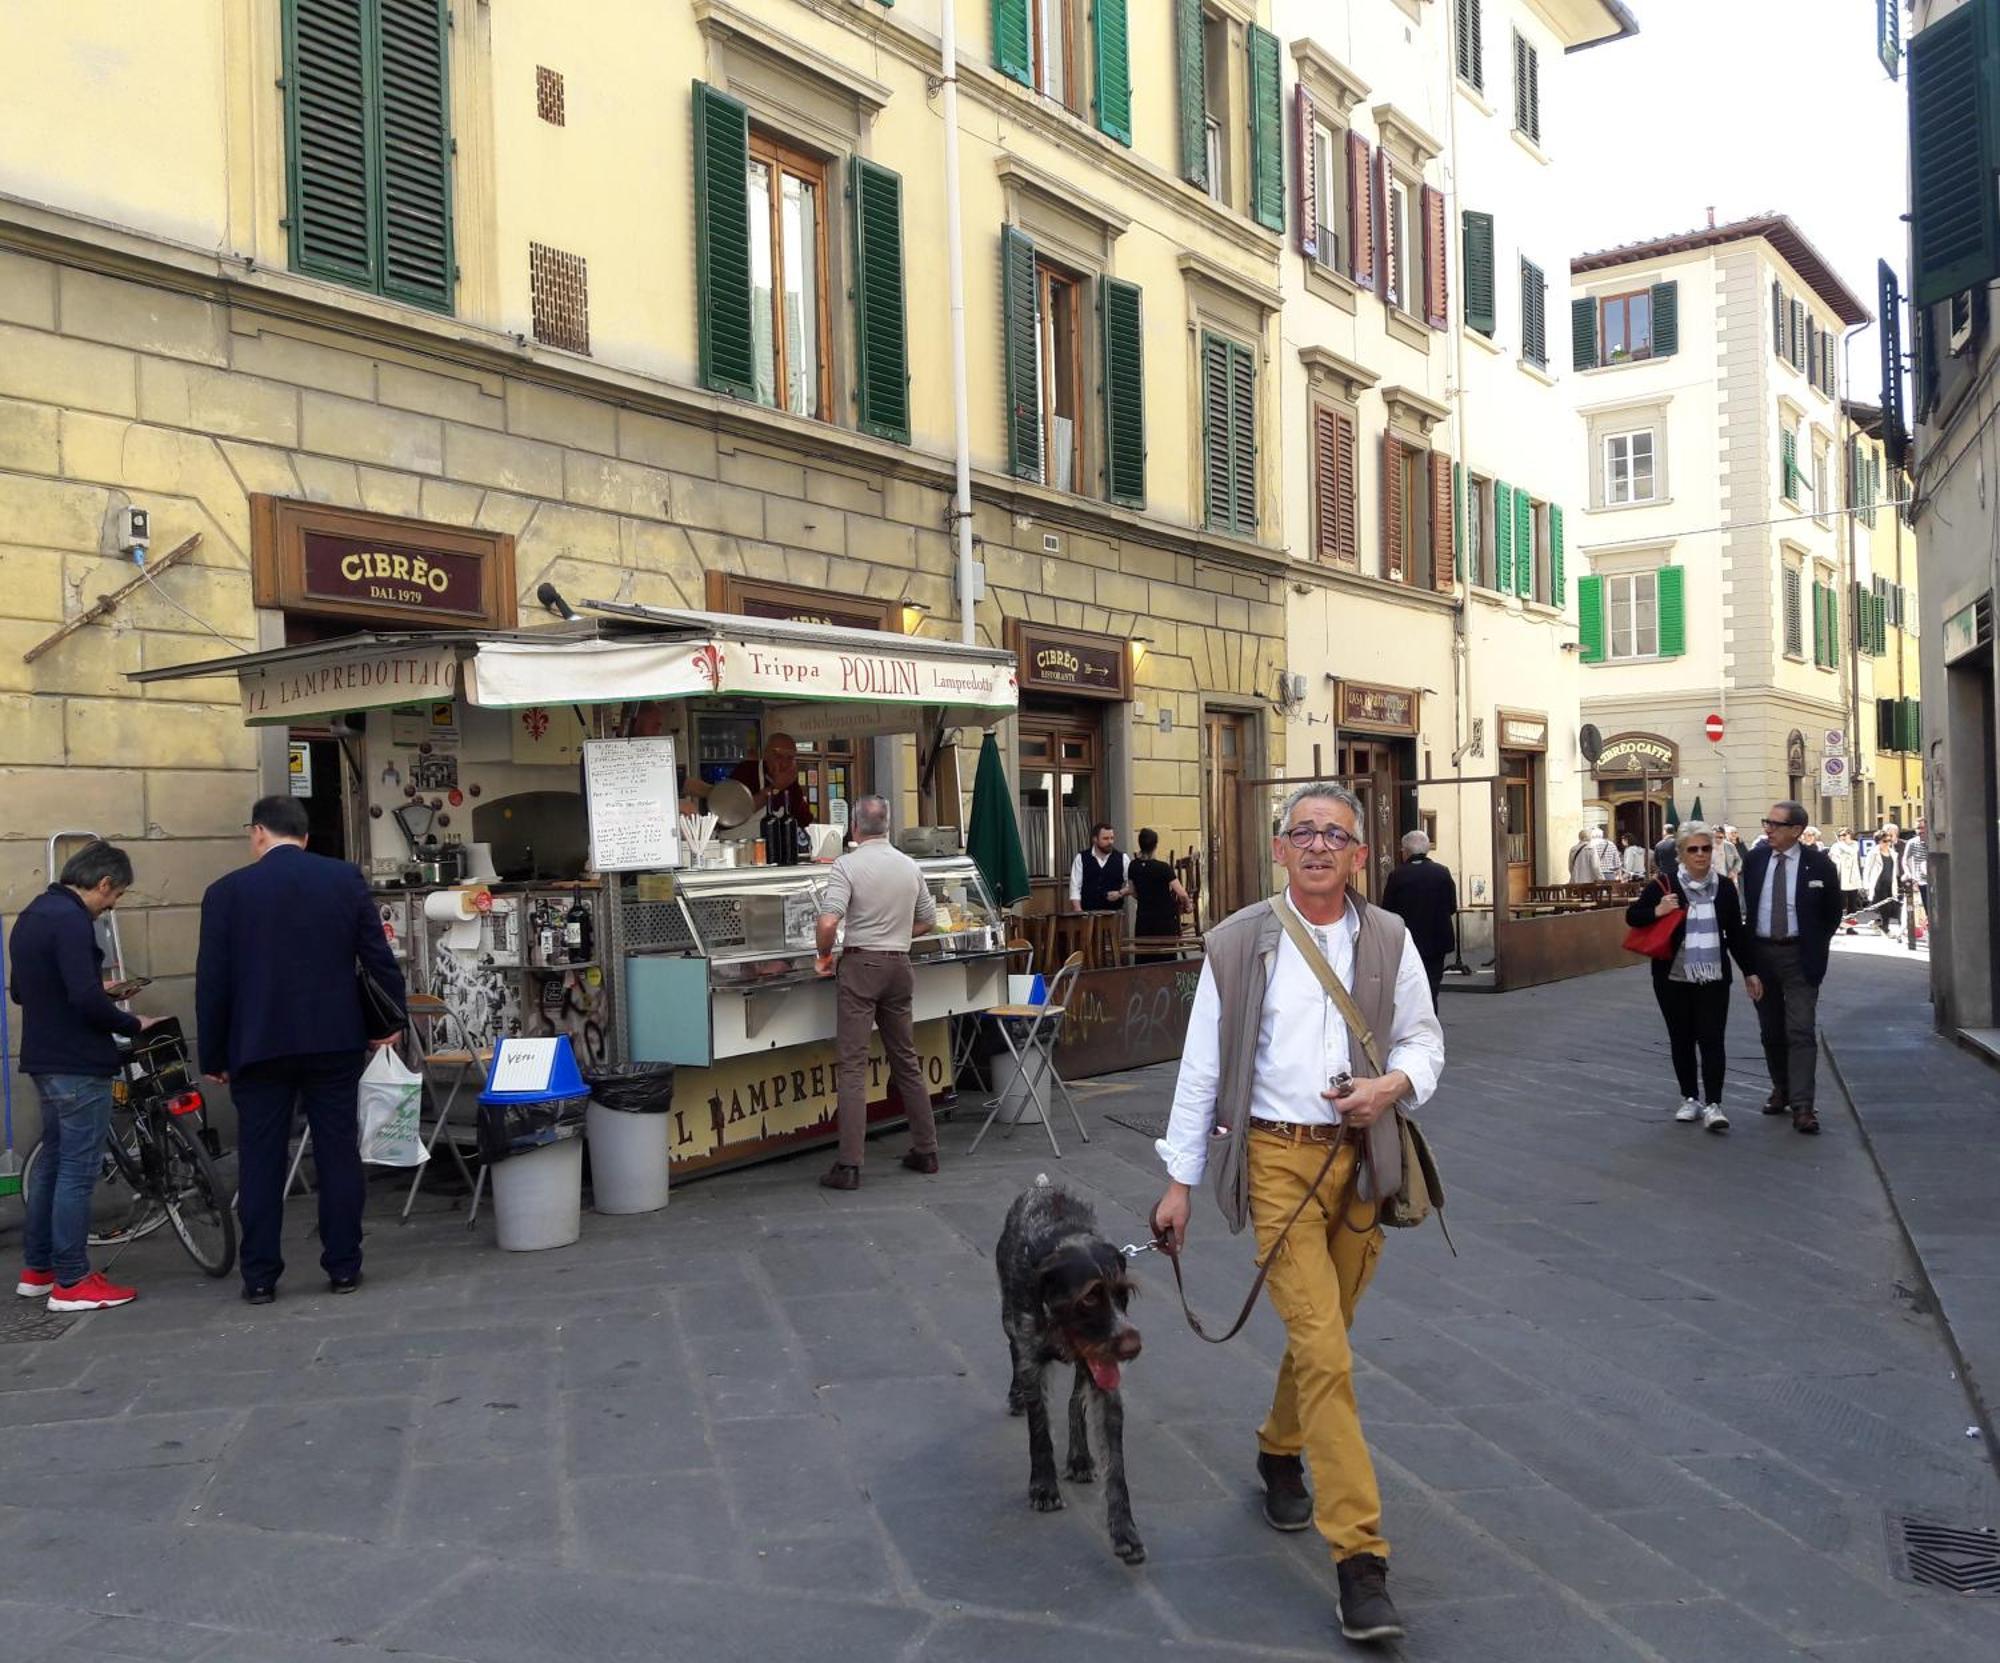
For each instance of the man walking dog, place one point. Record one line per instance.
(1265, 1083)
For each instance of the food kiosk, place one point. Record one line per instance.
(578, 904)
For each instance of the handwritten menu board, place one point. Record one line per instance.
(633, 805)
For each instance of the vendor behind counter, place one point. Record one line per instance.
(772, 778)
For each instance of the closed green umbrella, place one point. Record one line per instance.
(993, 838)
(1697, 808)
(1673, 814)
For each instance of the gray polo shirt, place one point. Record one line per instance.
(880, 891)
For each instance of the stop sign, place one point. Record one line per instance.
(1713, 728)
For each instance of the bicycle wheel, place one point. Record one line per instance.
(195, 1200)
(142, 1216)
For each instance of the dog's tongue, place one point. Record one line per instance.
(1105, 1374)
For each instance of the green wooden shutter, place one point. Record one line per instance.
(1215, 435)
(1503, 536)
(1113, 52)
(1457, 519)
(722, 242)
(1832, 627)
(1471, 56)
(882, 359)
(1666, 319)
(1583, 333)
(1243, 439)
(1018, 304)
(1788, 449)
(1190, 53)
(1954, 148)
(1672, 582)
(1590, 618)
(332, 142)
(1124, 393)
(416, 152)
(1011, 55)
(1267, 128)
(1479, 303)
(1524, 544)
(1558, 588)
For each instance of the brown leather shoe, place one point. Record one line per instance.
(1776, 1104)
(919, 1160)
(1804, 1120)
(839, 1177)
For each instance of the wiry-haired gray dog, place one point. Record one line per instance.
(1063, 1292)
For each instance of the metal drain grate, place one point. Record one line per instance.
(1138, 1120)
(27, 1323)
(1928, 1551)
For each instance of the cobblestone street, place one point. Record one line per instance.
(1660, 1407)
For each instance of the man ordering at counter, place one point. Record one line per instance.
(880, 893)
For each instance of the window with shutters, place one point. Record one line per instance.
(1059, 324)
(1478, 531)
(1954, 76)
(369, 147)
(1229, 435)
(1534, 316)
(1396, 245)
(1632, 615)
(1215, 103)
(1532, 533)
(1336, 485)
(1628, 468)
(1059, 371)
(1469, 44)
(1408, 542)
(1791, 462)
(1794, 613)
(1822, 498)
(790, 336)
(1329, 151)
(1053, 49)
(1625, 327)
(1477, 268)
(1527, 90)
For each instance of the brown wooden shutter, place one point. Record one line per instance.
(1437, 291)
(1443, 529)
(1309, 180)
(1347, 491)
(1360, 212)
(1336, 536)
(1392, 507)
(1379, 230)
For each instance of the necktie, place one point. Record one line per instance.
(1780, 922)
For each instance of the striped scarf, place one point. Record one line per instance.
(1701, 947)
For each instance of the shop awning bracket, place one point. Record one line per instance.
(106, 604)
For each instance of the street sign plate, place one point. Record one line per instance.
(1713, 728)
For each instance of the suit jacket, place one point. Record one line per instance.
(275, 974)
(1819, 902)
(1422, 894)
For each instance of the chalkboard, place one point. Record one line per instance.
(634, 806)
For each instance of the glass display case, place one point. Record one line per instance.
(722, 962)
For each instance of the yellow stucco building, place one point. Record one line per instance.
(1889, 773)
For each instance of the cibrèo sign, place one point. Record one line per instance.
(313, 558)
(1639, 753)
(1069, 661)
(367, 572)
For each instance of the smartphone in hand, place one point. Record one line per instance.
(128, 987)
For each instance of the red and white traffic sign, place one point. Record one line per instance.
(1713, 728)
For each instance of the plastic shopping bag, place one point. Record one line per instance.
(392, 1100)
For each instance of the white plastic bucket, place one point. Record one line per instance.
(628, 1159)
(1011, 1086)
(538, 1197)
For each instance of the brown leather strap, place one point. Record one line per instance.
(1171, 1247)
(1302, 938)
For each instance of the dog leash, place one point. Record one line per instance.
(1165, 1244)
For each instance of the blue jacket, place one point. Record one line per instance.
(276, 972)
(1819, 903)
(67, 1019)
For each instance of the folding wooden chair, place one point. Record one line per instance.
(1030, 1033)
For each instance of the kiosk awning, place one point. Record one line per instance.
(630, 654)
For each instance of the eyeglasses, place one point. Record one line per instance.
(1699, 849)
(1783, 825)
(1335, 838)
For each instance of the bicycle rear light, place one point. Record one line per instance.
(186, 1102)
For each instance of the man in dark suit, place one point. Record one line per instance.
(1791, 900)
(281, 1021)
(1422, 894)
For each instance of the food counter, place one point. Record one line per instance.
(715, 973)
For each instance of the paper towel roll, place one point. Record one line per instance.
(453, 909)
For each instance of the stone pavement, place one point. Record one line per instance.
(1930, 1113)
(1658, 1409)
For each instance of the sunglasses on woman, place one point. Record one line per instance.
(1699, 849)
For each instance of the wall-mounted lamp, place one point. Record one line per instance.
(914, 614)
(1139, 645)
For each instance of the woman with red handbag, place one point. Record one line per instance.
(1690, 924)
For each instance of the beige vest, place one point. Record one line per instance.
(1240, 951)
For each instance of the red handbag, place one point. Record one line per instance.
(1655, 940)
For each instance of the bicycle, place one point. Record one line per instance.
(160, 1148)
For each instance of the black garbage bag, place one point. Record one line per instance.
(508, 1128)
(633, 1087)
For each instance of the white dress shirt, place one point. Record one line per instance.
(1076, 872)
(1302, 1042)
(1792, 864)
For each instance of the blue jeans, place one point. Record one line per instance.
(76, 1118)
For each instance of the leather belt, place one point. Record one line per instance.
(1294, 1131)
(1779, 940)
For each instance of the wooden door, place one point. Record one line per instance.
(1226, 741)
(1369, 769)
(1520, 799)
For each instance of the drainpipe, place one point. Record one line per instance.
(1853, 579)
(961, 512)
(1461, 618)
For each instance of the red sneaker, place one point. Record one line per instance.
(93, 1293)
(36, 1284)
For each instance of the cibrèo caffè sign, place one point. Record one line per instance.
(341, 563)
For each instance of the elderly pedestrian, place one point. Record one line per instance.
(1791, 897)
(1693, 986)
(1632, 858)
(1846, 855)
(1729, 854)
(879, 894)
(1882, 879)
(1421, 893)
(1917, 864)
(1264, 1089)
(69, 1048)
(1583, 862)
(279, 1008)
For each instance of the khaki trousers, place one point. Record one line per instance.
(1316, 1280)
(873, 991)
